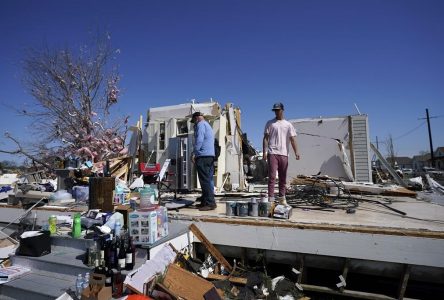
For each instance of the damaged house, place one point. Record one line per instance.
(169, 134)
(336, 146)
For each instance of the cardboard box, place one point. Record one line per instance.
(97, 289)
(148, 226)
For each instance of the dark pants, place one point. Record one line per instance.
(205, 170)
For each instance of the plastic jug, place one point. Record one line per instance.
(147, 197)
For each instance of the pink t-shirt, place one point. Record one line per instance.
(279, 133)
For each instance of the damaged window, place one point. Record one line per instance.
(182, 127)
(162, 136)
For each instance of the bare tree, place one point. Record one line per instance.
(73, 92)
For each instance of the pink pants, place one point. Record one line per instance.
(279, 163)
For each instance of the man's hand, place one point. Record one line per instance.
(193, 158)
(298, 157)
(264, 157)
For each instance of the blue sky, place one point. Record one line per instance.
(317, 57)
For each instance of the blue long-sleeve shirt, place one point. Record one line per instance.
(203, 139)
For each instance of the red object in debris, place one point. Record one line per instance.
(149, 169)
(138, 297)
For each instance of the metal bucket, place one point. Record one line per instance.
(264, 209)
(253, 209)
(242, 208)
(230, 207)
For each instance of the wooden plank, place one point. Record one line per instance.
(210, 247)
(185, 284)
(238, 280)
(404, 281)
(345, 272)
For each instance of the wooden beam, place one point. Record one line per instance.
(344, 273)
(404, 281)
(303, 274)
(238, 280)
(210, 247)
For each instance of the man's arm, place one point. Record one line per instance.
(198, 141)
(265, 146)
(295, 147)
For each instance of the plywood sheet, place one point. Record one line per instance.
(185, 284)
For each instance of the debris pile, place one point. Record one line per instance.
(174, 274)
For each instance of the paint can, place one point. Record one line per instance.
(264, 209)
(253, 209)
(242, 208)
(230, 207)
(52, 221)
(264, 196)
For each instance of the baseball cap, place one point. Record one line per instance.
(278, 106)
(196, 114)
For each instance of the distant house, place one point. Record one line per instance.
(402, 162)
(439, 158)
(421, 161)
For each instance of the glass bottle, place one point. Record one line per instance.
(117, 284)
(130, 255)
(121, 260)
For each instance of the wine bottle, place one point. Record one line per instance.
(130, 255)
(121, 260)
(112, 255)
(117, 284)
(109, 277)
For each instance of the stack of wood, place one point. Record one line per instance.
(120, 167)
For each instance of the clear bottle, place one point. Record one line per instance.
(92, 255)
(86, 281)
(117, 228)
(79, 285)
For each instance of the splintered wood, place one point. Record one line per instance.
(185, 284)
(210, 247)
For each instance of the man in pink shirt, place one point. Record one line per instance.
(278, 135)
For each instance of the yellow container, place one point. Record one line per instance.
(52, 221)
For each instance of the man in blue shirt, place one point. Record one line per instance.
(203, 157)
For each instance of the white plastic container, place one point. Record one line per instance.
(147, 197)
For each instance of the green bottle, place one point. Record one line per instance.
(76, 226)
